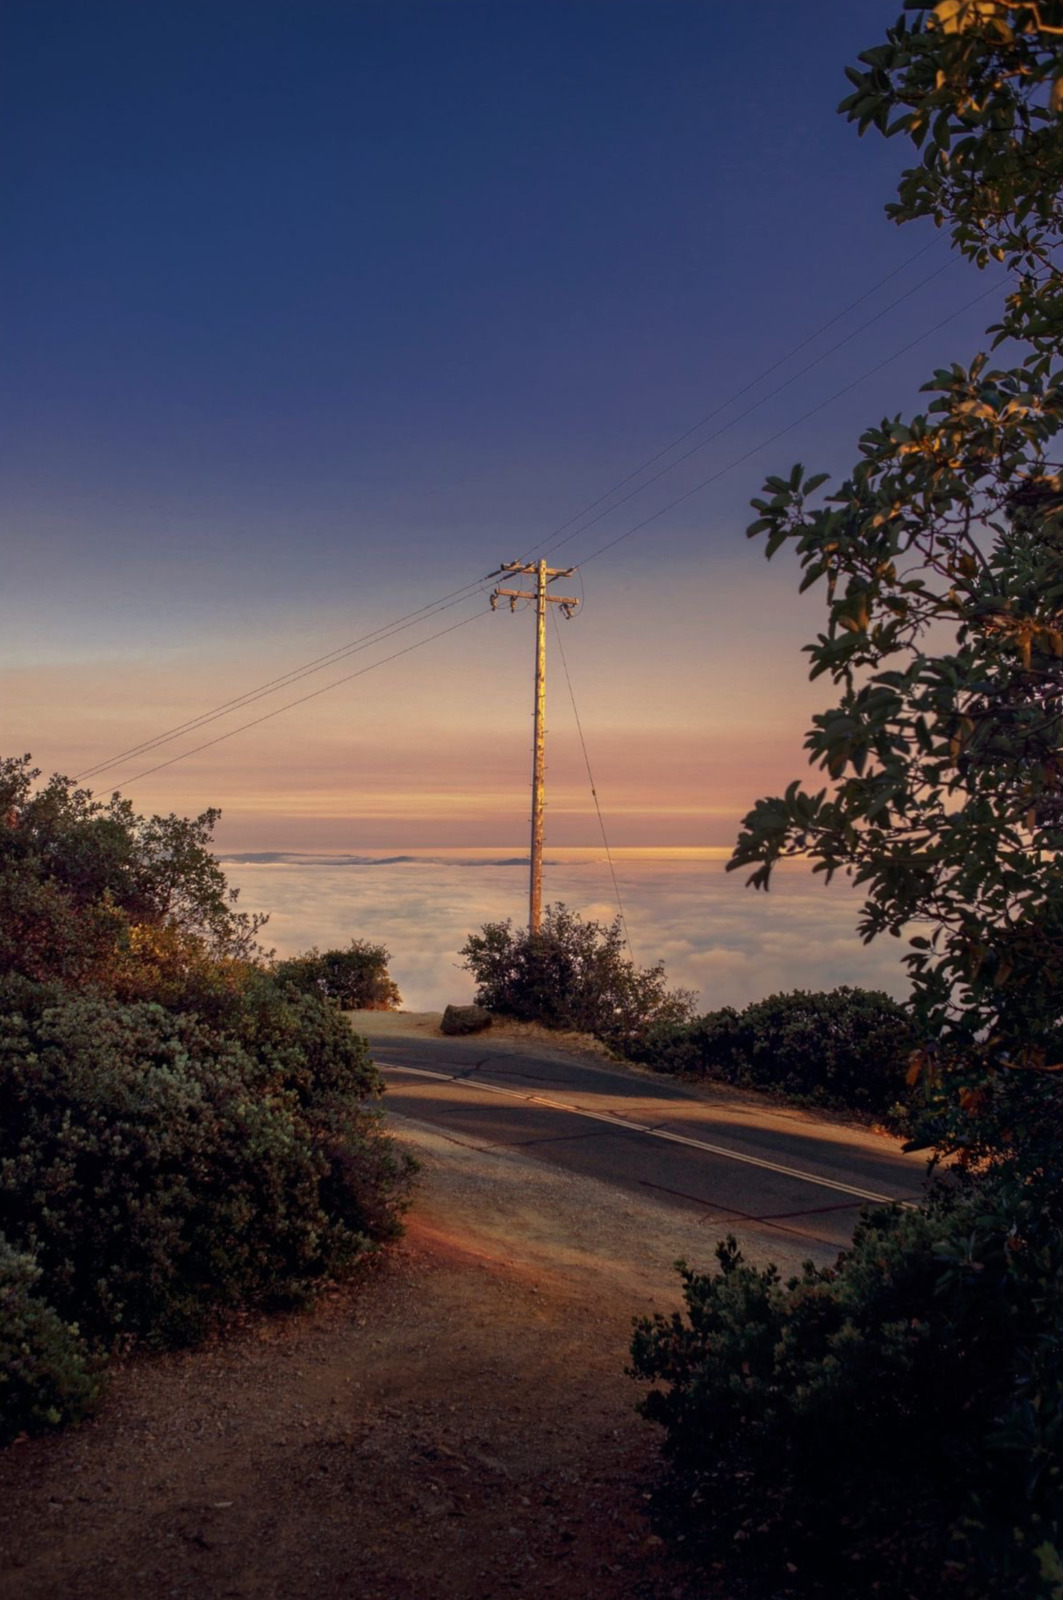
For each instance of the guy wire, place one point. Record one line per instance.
(594, 791)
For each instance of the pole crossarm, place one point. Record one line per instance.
(543, 576)
(567, 602)
(532, 568)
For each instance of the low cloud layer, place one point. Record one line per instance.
(729, 943)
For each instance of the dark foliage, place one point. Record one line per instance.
(893, 1425)
(47, 1375)
(939, 558)
(356, 979)
(890, 1425)
(572, 974)
(846, 1047)
(180, 1130)
(88, 888)
(159, 1169)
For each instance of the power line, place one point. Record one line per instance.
(608, 545)
(594, 791)
(321, 663)
(766, 373)
(749, 410)
(313, 695)
(385, 631)
(790, 426)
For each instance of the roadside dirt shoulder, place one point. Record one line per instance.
(455, 1425)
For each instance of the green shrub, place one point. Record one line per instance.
(572, 974)
(304, 1042)
(717, 1045)
(158, 1168)
(848, 1045)
(180, 1131)
(356, 979)
(87, 888)
(47, 1376)
(892, 1424)
(845, 1047)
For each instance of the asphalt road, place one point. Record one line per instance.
(740, 1165)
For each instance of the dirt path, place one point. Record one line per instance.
(454, 1426)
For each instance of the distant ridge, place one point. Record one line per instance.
(295, 858)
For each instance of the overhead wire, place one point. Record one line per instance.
(749, 410)
(766, 373)
(289, 705)
(594, 791)
(737, 461)
(455, 596)
(678, 501)
(608, 545)
(354, 647)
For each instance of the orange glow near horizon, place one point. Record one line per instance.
(686, 726)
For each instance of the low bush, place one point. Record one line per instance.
(183, 1128)
(47, 1376)
(572, 974)
(356, 979)
(717, 1045)
(158, 1168)
(892, 1424)
(846, 1047)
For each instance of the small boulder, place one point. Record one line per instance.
(465, 1019)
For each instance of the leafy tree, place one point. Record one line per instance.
(47, 1375)
(90, 891)
(572, 974)
(158, 1166)
(941, 562)
(898, 1414)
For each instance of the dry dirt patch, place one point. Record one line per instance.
(455, 1425)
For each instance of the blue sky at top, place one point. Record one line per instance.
(311, 310)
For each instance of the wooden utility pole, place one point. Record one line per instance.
(544, 575)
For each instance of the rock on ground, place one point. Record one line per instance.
(465, 1019)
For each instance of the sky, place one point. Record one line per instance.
(315, 311)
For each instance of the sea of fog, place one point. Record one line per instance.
(730, 943)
